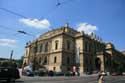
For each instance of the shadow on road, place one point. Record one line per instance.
(12, 82)
(19, 81)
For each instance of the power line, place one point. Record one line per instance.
(17, 14)
(59, 3)
(7, 28)
(20, 15)
(19, 31)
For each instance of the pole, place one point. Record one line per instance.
(11, 55)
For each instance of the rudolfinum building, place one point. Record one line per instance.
(65, 49)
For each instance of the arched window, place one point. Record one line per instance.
(56, 44)
(98, 63)
(68, 44)
(68, 60)
(46, 47)
(55, 59)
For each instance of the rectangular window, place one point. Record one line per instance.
(86, 46)
(41, 48)
(54, 68)
(55, 59)
(68, 45)
(46, 47)
(35, 49)
(56, 44)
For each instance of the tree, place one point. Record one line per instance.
(117, 66)
(19, 62)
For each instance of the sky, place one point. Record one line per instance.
(106, 18)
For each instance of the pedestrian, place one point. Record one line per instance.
(101, 77)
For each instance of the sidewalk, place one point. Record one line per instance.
(89, 75)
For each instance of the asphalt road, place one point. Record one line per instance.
(81, 79)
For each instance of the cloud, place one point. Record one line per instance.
(37, 36)
(39, 24)
(7, 42)
(87, 28)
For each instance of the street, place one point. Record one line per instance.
(81, 79)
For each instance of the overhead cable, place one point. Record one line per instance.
(13, 12)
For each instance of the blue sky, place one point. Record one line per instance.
(104, 17)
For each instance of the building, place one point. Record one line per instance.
(123, 52)
(65, 49)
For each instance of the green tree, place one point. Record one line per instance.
(19, 62)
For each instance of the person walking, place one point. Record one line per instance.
(101, 77)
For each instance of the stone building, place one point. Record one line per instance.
(65, 49)
(123, 52)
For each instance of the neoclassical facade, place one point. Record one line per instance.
(65, 49)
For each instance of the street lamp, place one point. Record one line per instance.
(34, 49)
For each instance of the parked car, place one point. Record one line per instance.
(27, 73)
(8, 71)
(59, 74)
(43, 73)
(116, 73)
(50, 73)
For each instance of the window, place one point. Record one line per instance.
(90, 46)
(46, 47)
(35, 49)
(40, 60)
(68, 60)
(54, 68)
(56, 44)
(86, 45)
(68, 45)
(45, 60)
(68, 68)
(41, 47)
(55, 59)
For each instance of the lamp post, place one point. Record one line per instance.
(34, 49)
(11, 54)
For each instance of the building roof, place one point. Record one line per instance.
(54, 32)
(66, 29)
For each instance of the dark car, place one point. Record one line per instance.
(59, 74)
(50, 73)
(116, 73)
(43, 73)
(28, 73)
(8, 72)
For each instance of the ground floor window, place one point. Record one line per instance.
(54, 68)
(68, 69)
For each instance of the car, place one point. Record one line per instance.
(43, 73)
(50, 73)
(116, 73)
(9, 72)
(59, 74)
(28, 73)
